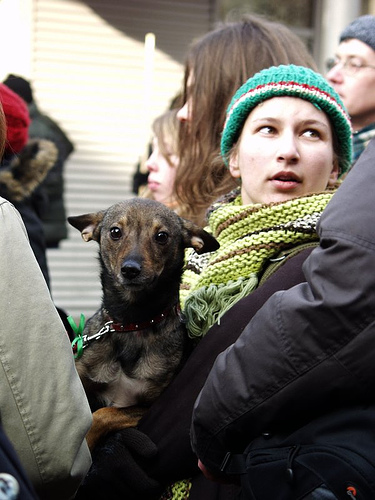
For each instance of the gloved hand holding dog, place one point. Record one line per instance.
(119, 469)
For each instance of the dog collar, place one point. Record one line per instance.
(82, 341)
(135, 327)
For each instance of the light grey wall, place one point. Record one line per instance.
(334, 16)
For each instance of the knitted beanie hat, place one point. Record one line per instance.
(17, 119)
(20, 86)
(363, 29)
(293, 81)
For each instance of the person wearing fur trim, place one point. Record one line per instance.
(43, 126)
(287, 139)
(23, 169)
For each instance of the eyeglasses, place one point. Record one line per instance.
(349, 66)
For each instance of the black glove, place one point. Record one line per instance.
(117, 471)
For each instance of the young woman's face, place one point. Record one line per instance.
(285, 150)
(162, 172)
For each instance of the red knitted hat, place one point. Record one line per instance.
(17, 119)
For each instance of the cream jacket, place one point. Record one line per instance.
(43, 407)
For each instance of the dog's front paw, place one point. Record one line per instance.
(110, 419)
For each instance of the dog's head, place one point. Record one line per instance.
(142, 241)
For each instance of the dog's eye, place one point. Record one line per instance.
(115, 233)
(161, 237)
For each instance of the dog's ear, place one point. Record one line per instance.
(198, 238)
(88, 224)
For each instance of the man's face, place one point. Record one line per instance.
(353, 78)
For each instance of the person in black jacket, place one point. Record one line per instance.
(43, 126)
(14, 483)
(23, 169)
(309, 350)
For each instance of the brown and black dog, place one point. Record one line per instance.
(136, 342)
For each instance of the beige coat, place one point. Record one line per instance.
(43, 407)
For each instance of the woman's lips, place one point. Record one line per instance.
(285, 180)
(152, 185)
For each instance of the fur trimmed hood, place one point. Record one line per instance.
(27, 170)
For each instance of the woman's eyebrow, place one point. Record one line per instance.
(315, 122)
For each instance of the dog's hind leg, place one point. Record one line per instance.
(110, 419)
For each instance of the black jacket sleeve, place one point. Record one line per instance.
(13, 478)
(308, 349)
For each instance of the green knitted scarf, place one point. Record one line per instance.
(249, 235)
(179, 490)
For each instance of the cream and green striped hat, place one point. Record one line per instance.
(293, 81)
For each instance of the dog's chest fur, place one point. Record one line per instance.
(132, 368)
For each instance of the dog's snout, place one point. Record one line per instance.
(130, 269)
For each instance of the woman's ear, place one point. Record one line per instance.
(333, 176)
(233, 164)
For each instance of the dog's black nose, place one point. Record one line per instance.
(131, 269)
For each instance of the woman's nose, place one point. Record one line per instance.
(288, 149)
(183, 113)
(151, 163)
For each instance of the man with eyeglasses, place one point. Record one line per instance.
(352, 73)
